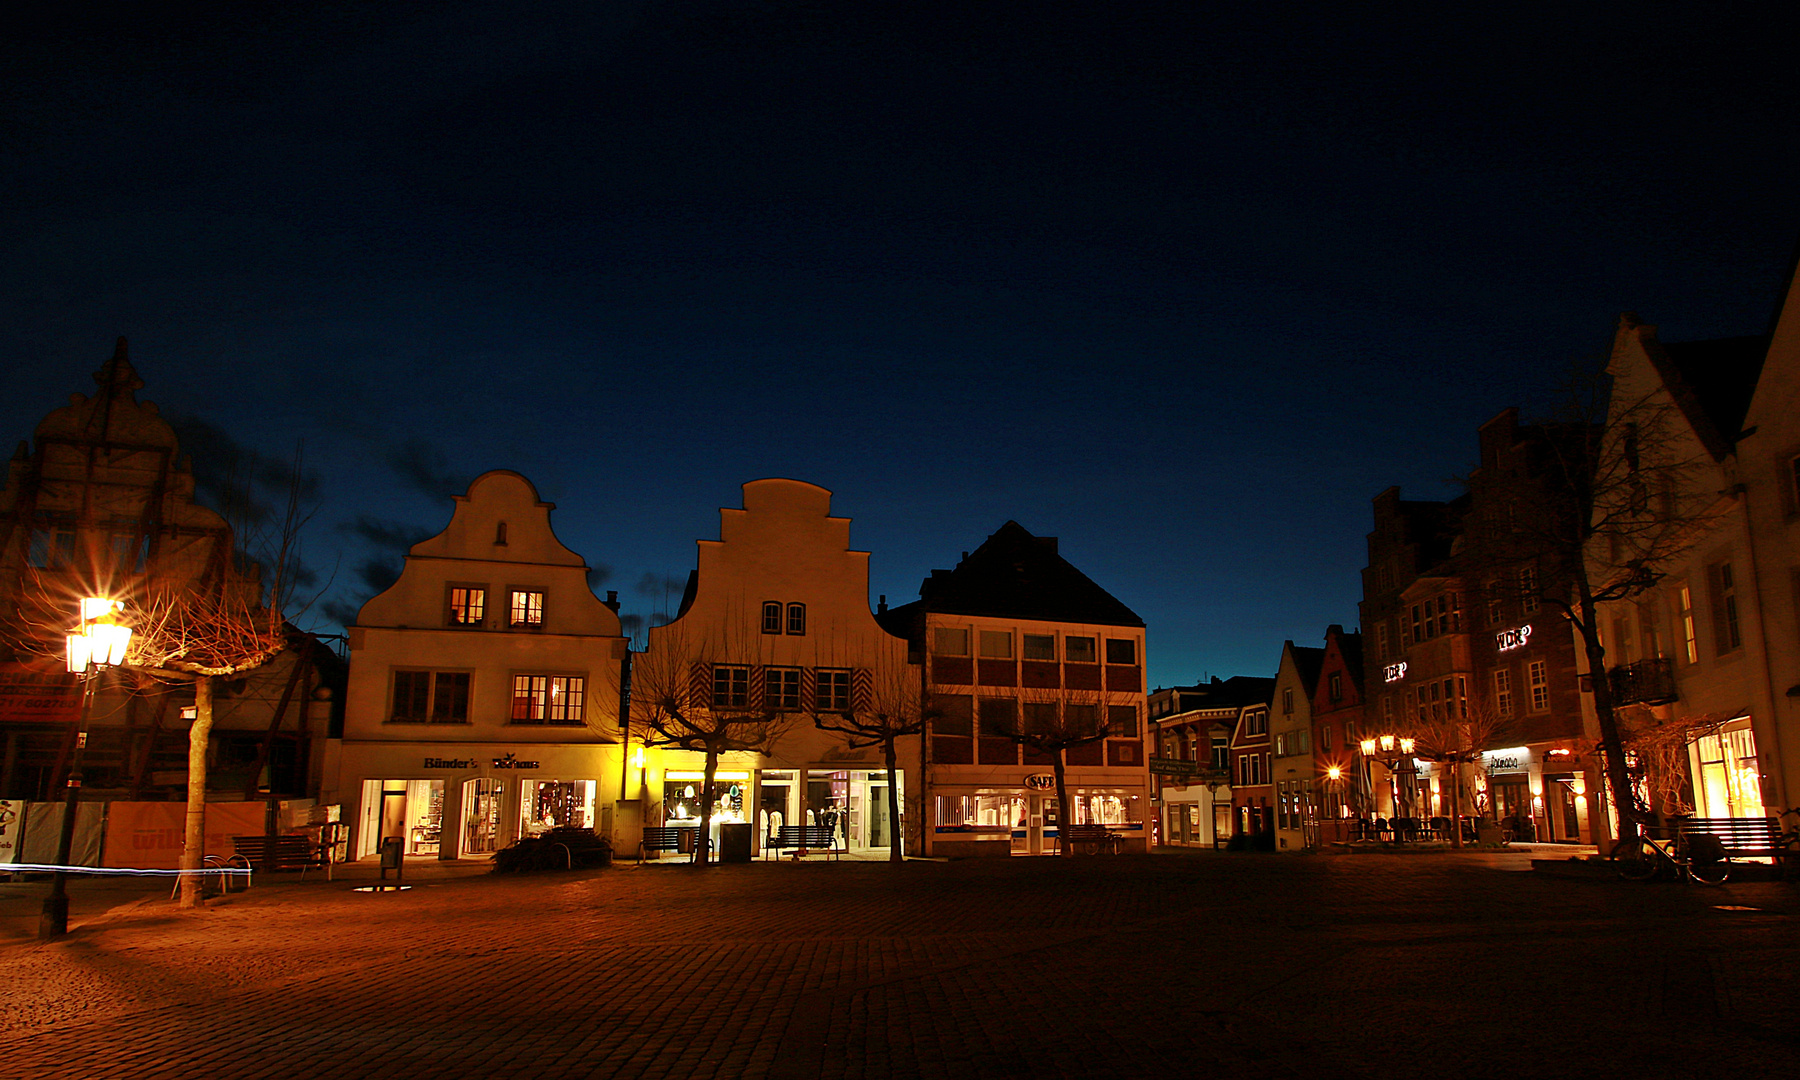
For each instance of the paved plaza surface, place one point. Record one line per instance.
(1170, 965)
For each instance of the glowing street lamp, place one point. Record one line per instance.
(97, 644)
(1390, 750)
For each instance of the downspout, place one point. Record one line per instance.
(1762, 633)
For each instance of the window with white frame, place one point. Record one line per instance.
(1503, 691)
(527, 607)
(731, 686)
(468, 605)
(1684, 607)
(833, 690)
(781, 688)
(1727, 634)
(1538, 675)
(548, 699)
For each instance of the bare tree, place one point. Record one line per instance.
(1608, 499)
(1656, 755)
(1053, 721)
(690, 696)
(1456, 739)
(889, 711)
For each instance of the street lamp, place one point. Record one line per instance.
(1390, 750)
(97, 644)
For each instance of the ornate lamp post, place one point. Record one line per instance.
(97, 644)
(1390, 750)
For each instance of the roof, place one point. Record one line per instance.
(1015, 575)
(1307, 662)
(1712, 382)
(1233, 693)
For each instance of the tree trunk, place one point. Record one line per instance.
(1065, 815)
(193, 847)
(1624, 800)
(706, 805)
(896, 835)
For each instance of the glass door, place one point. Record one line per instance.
(481, 816)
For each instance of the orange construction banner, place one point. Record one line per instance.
(38, 690)
(148, 835)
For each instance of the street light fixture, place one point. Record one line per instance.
(97, 644)
(1390, 750)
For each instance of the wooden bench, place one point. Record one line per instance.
(1090, 839)
(289, 851)
(678, 838)
(804, 838)
(1742, 838)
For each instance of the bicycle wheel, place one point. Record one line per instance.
(1635, 859)
(1706, 860)
(1710, 871)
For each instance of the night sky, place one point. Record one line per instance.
(1185, 285)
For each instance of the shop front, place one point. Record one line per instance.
(853, 803)
(982, 821)
(469, 801)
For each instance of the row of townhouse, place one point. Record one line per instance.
(489, 693)
(1469, 690)
(492, 696)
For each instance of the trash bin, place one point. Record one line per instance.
(684, 841)
(734, 842)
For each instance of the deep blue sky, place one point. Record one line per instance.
(1183, 285)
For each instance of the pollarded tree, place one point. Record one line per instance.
(693, 696)
(1455, 737)
(887, 710)
(1053, 721)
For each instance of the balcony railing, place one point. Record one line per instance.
(1646, 682)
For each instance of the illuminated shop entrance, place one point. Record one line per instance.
(481, 816)
(412, 810)
(1029, 820)
(1728, 773)
(853, 803)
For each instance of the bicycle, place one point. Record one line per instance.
(1697, 857)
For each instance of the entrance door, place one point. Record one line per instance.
(880, 828)
(481, 816)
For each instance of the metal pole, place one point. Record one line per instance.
(54, 921)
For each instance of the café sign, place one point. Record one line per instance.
(1041, 781)
(1394, 672)
(1508, 640)
(1516, 759)
(507, 761)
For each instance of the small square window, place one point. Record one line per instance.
(527, 608)
(1078, 650)
(468, 605)
(796, 618)
(771, 623)
(1038, 647)
(996, 644)
(1121, 651)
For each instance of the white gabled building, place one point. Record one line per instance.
(483, 702)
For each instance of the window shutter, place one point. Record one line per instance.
(862, 689)
(809, 688)
(700, 685)
(759, 679)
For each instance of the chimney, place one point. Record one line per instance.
(612, 600)
(881, 605)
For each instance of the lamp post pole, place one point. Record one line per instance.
(54, 921)
(98, 643)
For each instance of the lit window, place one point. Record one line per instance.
(834, 690)
(796, 618)
(527, 608)
(781, 688)
(1690, 646)
(468, 605)
(731, 686)
(548, 699)
(771, 623)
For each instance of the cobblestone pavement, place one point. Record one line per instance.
(1166, 965)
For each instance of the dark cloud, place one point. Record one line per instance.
(425, 469)
(391, 536)
(249, 487)
(598, 576)
(378, 574)
(659, 586)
